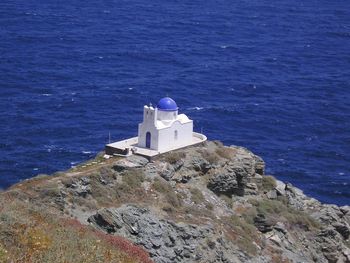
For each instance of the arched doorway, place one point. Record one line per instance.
(148, 140)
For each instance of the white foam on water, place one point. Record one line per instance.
(196, 108)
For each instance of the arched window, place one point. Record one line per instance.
(175, 135)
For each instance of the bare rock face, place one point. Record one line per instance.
(165, 240)
(233, 177)
(262, 224)
(133, 161)
(80, 186)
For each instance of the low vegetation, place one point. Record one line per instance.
(225, 152)
(171, 197)
(244, 233)
(29, 234)
(134, 178)
(197, 196)
(210, 156)
(228, 200)
(173, 157)
(268, 183)
(277, 210)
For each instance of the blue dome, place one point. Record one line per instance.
(167, 104)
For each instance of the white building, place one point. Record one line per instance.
(163, 128)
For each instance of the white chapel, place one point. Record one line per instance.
(163, 128)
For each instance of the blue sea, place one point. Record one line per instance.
(272, 76)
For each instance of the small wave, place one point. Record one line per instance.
(225, 46)
(35, 169)
(196, 108)
(86, 152)
(46, 94)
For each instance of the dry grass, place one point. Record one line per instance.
(197, 196)
(268, 183)
(225, 152)
(4, 257)
(163, 187)
(30, 234)
(228, 200)
(210, 157)
(134, 178)
(173, 157)
(276, 210)
(244, 233)
(118, 192)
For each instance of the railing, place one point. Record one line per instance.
(200, 136)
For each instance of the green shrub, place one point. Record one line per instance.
(3, 255)
(173, 157)
(301, 219)
(347, 243)
(134, 178)
(197, 196)
(276, 210)
(249, 215)
(246, 234)
(268, 183)
(210, 157)
(209, 206)
(270, 207)
(228, 200)
(163, 187)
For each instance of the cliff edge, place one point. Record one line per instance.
(205, 203)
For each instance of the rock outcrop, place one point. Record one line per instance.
(165, 240)
(206, 203)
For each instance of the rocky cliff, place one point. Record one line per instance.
(206, 203)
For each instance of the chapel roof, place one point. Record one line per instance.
(167, 104)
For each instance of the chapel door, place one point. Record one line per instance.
(148, 140)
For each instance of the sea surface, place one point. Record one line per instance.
(272, 76)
